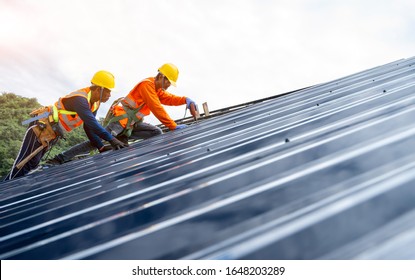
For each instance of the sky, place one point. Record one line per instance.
(228, 51)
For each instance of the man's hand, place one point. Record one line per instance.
(190, 101)
(191, 105)
(180, 126)
(117, 144)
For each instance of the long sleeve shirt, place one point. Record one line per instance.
(145, 93)
(92, 128)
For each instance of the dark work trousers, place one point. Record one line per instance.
(144, 131)
(30, 144)
(140, 131)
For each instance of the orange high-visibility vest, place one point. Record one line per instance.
(145, 97)
(68, 119)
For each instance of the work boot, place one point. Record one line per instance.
(57, 160)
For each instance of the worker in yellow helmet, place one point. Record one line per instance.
(125, 118)
(148, 96)
(49, 123)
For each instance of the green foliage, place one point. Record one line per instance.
(13, 110)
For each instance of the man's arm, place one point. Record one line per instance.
(151, 99)
(167, 98)
(93, 129)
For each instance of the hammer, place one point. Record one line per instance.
(194, 111)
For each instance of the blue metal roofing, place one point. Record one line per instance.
(325, 172)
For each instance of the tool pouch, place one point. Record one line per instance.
(45, 129)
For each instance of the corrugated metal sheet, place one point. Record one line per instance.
(322, 173)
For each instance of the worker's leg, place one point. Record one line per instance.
(79, 149)
(145, 131)
(115, 128)
(84, 147)
(29, 145)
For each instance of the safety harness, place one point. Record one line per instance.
(47, 122)
(133, 116)
(44, 122)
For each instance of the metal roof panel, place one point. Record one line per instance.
(325, 172)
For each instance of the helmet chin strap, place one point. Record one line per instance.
(100, 95)
(162, 82)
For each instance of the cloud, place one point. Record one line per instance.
(228, 52)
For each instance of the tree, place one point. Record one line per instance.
(13, 110)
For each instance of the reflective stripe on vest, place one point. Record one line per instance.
(138, 116)
(132, 111)
(68, 119)
(129, 101)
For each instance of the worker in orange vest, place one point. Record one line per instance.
(49, 123)
(148, 96)
(125, 118)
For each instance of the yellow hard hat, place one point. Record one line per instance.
(170, 71)
(103, 79)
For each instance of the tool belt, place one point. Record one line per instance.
(46, 129)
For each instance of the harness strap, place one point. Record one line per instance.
(131, 114)
(109, 116)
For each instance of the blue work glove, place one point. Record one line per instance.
(188, 102)
(180, 126)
